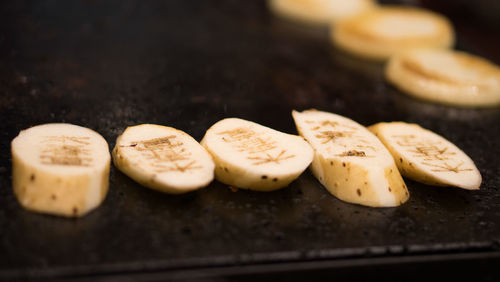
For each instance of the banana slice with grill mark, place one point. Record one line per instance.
(380, 33)
(427, 157)
(163, 158)
(320, 12)
(446, 76)
(251, 156)
(60, 169)
(350, 161)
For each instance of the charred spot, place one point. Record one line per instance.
(133, 145)
(390, 171)
(226, 169)
(264, 177)
(75, 210)
(366, 183)
(331, 163)
(359, 192)
(53, 196)
(275, 179)
(343, 164)
(390, 190)
(400, 160)
(32, 177)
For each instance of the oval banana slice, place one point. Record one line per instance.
(350, 161)
(424, 156)
(446, 76)
(380, 33)
(163, 158)
(251, 156)
(60, 169)
(320, 11)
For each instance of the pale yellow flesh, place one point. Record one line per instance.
(427, 157)
(251, 156)
(447, 77)
(320, 12)
(60, 169)
(380, 33)
(350, 161)
(163, 158)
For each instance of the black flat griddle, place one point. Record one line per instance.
(187, 64)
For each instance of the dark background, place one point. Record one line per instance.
(187, 64)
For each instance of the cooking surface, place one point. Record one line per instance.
(110, 65)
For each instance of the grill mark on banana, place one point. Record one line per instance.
(163, 151)
(65, 150)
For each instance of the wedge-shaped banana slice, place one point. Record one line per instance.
(380, 33)
(427, 157)
(350, 161)
(446, 76)
(163, 158)
(320, 11)
(251, 156)
(60, 169)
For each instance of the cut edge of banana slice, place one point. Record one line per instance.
(350, 162)
(380, 33)
(318, 12)
(251, 156)
(60, 169)
(446, 76)
(163, 158)
(427, 157)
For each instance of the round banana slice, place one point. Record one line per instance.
(163, 158)
(446, 76)
(383, 32)
(424, 156)
(251, 156)
(60, 169)
(350, 161)
(320, 11)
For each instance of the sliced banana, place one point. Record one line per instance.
(427, 157)
(380, 33)
(60, 169)
(320, 11)
(163, 158)
(251, 156)
(350, 161)
(446, 76)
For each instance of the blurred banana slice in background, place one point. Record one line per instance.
(380, 33)
(320, 12)
(445, 76)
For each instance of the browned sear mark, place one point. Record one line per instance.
(247, 140)
(448, 168)
(165, 154)
(269, 158)
(176, 167)
(352, 153)
(332, 135)
(65, 150)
